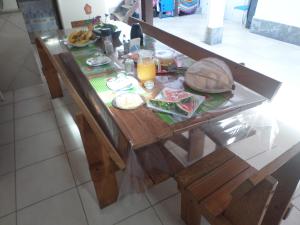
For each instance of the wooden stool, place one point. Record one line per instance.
(218, 187)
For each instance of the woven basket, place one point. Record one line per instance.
(209, 75)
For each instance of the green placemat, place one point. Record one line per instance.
(82, 54)
(107, 95)
(212, 101)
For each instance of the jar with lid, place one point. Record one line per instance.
(107, 41)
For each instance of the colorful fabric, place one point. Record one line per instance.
(213, 101)
(188, 6)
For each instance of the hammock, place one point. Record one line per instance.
(188, 6)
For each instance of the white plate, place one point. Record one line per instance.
(121, 82)
(128, 101)
(98, 61)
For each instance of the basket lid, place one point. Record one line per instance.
(209, 75)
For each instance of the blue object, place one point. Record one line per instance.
(167, 8)
(242, 7)
(167, 5)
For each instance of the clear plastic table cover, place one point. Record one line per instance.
(240, 126)
(257, 121)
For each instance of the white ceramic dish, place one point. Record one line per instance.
(98, 61)
(128, 101)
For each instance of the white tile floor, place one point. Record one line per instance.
(44, 177)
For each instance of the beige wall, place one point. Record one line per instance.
(71, 10)
(18, 66)
(284, 12)
(9, 5)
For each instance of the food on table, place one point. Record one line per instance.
(105, 26)
(146, 70)
(128, 101)
(146, 66)
(98, 61)
(173, 95)
(121, 82)
(176, 102)
(80, 37)
(209, 75)
(166, 57)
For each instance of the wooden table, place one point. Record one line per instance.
(109, 134)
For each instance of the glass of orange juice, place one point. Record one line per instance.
(146, 66)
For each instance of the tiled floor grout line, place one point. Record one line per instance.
(6, 121)
(33, 114)
(296, 207)
(52, 108)
(42, 132)
(152, 206)
(134, 214)
(8, 214)
(26, 99)
(40, 161)
(45, 199)
(7, 173)
(43, 160)
(296, 196)
(171, 196)
(15, 161)
(160, 220)
(73, 174)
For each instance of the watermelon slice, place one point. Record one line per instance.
(173, 95)
(188, 105)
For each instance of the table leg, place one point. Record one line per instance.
(196, 147)
(288, 177)
(102, 168)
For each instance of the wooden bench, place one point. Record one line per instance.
(219, 188)
(48, 69)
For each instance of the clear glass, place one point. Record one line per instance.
(146, 67)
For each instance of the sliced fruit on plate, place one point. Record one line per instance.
(173, 95)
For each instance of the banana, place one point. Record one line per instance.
(80, 37)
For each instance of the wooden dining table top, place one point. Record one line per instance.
(143, 126)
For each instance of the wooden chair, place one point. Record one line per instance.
(219, 187)
(48, 69)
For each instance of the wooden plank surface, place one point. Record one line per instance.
(251, 208)
(219, 201)
(203, 187)
(48, 69)
(288, 177)
(101, 166)
(203, 167)
(142, 126)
